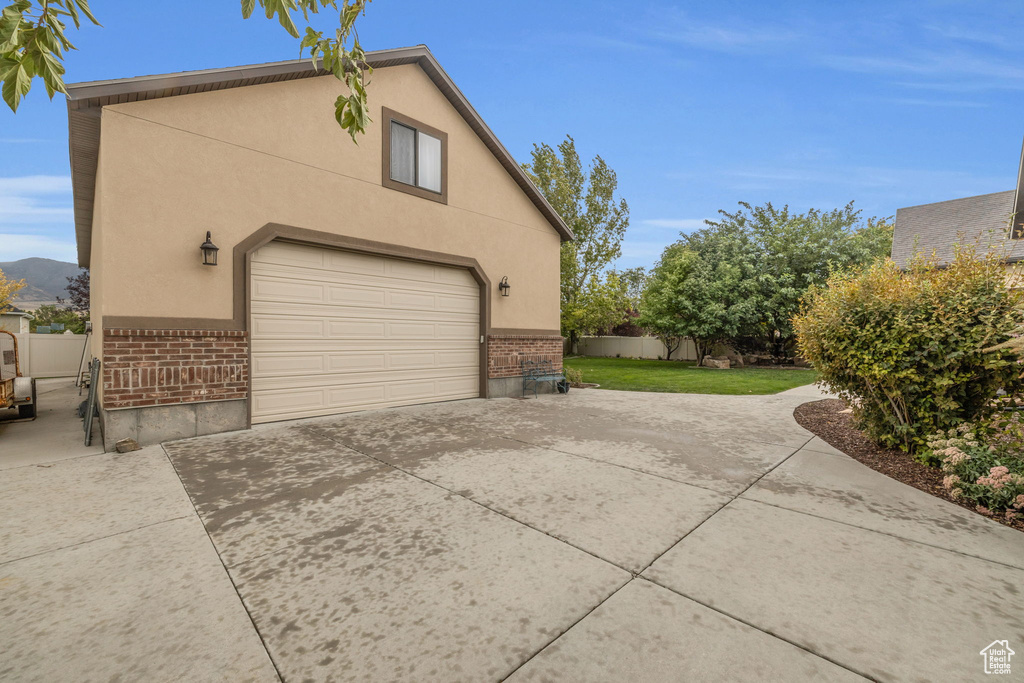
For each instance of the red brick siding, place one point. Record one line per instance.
(157, 367)
(505, 352)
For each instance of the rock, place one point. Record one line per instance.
(127, 446)
(736, 360)
(801, 362)
(710, 362)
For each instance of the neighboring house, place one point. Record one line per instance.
(350, 277)
(984, 221)
(15, 320)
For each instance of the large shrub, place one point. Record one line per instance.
(911, 349)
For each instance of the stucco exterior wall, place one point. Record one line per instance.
(235, 160)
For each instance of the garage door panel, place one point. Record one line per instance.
(288, 401)
(364, 281)
(264, 326)
(262, 346)
(288, 365)
(363, 377)
(351, 262)
(470, 305)
(290, 254)
(345, 313)
(348, 295)
(266, 289)
(337, 331)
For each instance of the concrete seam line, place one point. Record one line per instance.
(613, 464)
(724, 505)
(474, 502)
(885, 533)
(227, 572)
(571, 626)
(91, 540)
(51, 463)
(758, 628)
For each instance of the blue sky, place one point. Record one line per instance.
(696, 105)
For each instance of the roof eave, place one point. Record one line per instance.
(85, 101)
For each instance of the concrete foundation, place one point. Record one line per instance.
(512, 387)
(156, 424)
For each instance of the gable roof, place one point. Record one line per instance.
(983, 219)
(86, 100)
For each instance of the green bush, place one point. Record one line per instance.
(911, 349)
(573, 375)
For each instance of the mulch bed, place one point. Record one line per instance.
(825, 419)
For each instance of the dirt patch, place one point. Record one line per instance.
(826, 419)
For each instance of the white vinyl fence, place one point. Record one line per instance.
(634, 347)
(50, 355)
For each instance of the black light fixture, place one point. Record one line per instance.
(209, 250)
(504, 286)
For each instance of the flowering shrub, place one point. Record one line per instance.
(989, 475)
(915, 351)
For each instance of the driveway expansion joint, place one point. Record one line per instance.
(227, 573)
(93, 540)
(475, 502)
(761, 629)
(883, 533)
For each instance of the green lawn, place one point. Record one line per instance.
(683, 377)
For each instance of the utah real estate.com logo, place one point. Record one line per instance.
(997, 657)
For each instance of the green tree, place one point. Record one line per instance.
(33, 43)
(586, 202)
(49, 314)
(795, 251)
(703, 287)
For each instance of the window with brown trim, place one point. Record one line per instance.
(415, 157)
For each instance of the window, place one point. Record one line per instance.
(415, 157)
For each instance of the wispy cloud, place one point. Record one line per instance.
(18, 246)
(989, 36)
(913, 102)
(675, 223)
(35, 184)
(732, 37)
(35, 199)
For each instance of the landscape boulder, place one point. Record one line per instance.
(721, 364)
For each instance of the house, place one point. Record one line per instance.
(348, 277)
(984, 221)
(15, 320)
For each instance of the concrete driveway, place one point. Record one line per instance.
(596, 536)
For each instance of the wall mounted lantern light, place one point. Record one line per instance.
(504, 286)
(209, 250)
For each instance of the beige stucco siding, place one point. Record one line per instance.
(234, 160)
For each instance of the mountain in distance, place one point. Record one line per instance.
(45, 280)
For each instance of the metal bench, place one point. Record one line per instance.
(536, 371)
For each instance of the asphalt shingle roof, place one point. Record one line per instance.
(980, 220)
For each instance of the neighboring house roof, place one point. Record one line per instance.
(86, 100)
(18, 312)
(981, 220)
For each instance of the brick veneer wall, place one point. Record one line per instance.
(158, 367)
(504, 352)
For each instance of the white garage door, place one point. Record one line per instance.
(335, 331)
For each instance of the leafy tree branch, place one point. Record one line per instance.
(34, 42)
